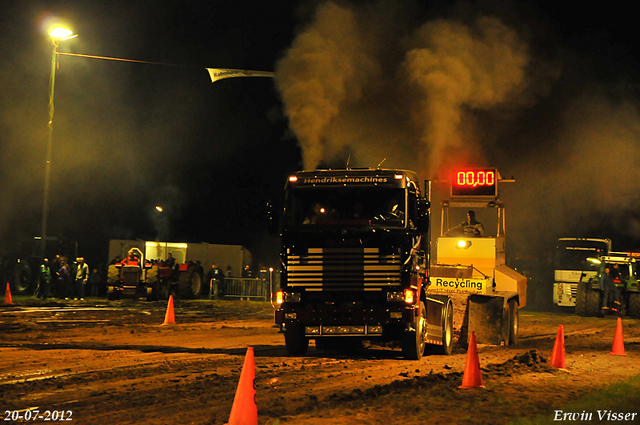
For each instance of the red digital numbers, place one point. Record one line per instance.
(474, 182)
(476, 178)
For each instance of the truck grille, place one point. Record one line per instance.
(343, 268)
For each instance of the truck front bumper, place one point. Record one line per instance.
(346, 322)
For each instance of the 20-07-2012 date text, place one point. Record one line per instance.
(38, 415)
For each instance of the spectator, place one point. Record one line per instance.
(170, 261)
(607, 285)
(215, 277)
(94, 281)
(63, 279)
(44, 286)
(81, 278)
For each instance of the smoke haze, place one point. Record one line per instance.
(469, 87)
(350, 80)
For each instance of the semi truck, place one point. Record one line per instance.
(572, 267)
(355, 262)
(355, 254)
(154, 279)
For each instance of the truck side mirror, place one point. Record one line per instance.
(272, 219)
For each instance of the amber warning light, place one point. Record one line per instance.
(475, 182)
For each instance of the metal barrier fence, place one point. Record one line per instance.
(251, 288)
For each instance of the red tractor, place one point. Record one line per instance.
(135, 278)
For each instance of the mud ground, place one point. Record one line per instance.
(115, 363)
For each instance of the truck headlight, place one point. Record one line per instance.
(292, 297)
(395, 296)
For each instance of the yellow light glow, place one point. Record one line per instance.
(279, 297)
(408, 296)
(61, 33)
(462, 244)
(293, 179)
(159, 208)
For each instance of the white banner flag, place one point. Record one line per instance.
(220, 73)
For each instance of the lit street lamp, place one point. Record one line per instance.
(57, 34)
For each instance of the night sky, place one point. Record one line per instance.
(546, 93)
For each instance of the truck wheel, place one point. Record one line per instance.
(190, 283)
(513, 322)
(295, 341)
(22, 276)
(634, 305)
(413, 342)
(581, 297)
(447, 331)
(592, 302)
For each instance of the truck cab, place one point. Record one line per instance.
(355, 261)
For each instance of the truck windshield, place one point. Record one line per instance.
(573, 254)
(331, 207)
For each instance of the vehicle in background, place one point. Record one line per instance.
(157, 279)
(573, 267)
(589, 295)
(21, 264)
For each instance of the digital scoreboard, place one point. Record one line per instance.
(475, 182)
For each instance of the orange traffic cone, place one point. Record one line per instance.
(7, 296)
(169, 318)
(472, 377)
(558, 355)
(618, 346)
(245, 410)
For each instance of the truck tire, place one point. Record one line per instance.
(447, 331)
(634, 305)
(592, 302)
(22, 278)
(295, 340)
(581, 299)
(413, 342)
(190, 282)
(514, 318)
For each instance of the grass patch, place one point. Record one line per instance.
(620, 398)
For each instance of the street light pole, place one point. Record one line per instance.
(47, 169)
(57, 34)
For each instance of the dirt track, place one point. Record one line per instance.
(115, 363)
